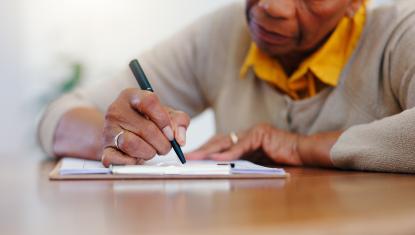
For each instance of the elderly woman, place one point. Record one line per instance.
(327, 83)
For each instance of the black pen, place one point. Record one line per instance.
(145, 85)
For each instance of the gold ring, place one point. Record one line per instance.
(234, 137)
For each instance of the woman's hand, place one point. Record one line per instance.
(146, 127)
(281, 146)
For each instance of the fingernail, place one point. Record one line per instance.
(181, 131)
(168, 132)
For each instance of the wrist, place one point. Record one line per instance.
(314, 150)
(297, 149)
(303, 150)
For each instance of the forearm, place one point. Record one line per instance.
(314, 150)
(78, 134)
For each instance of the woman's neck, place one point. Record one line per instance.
(290, 62)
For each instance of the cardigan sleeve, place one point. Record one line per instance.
(386, 145)
(172, 67)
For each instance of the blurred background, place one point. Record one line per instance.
(48, 47)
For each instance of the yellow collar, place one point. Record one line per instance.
(326, 64)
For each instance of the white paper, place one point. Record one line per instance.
(73, 166)
(246, 167)
(166, 166)
(174, 168)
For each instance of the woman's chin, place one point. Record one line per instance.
(274, 50)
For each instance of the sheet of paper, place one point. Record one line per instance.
(73, 166)
(246, 167)
(165, 165)
(175, 168)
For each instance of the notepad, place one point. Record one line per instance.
(72, 166)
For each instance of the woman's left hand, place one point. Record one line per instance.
(279, 145)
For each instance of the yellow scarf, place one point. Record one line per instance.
(326, 64)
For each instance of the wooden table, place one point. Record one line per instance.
(311, 201)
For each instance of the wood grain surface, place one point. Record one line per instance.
(310, 201)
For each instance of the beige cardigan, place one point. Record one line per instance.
(199, 68)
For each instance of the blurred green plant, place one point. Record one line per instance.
(74, 80)
(68, 84)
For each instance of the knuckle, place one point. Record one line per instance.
(258, 133)
(125, 143)
(150, 153)
(160, 119)
(147, 129)
(183, 118)
(131, 145)
(116, 107)
(148, 101)
(164, 148)
(151, 132)
(112, 113)
(262, 128)
(133, 96)
(127, 92)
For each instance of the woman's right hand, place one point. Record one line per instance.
(146, 127)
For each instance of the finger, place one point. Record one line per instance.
(216, 144)
(140, 126)
(133, 146)
(110, 133)
(180, 122)
(150, 133)
(113, 156)
(197, 155)
(226, 156)
(245, 145)
(148, 104)
(121, 115)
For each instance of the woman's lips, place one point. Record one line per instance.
(267, 36)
